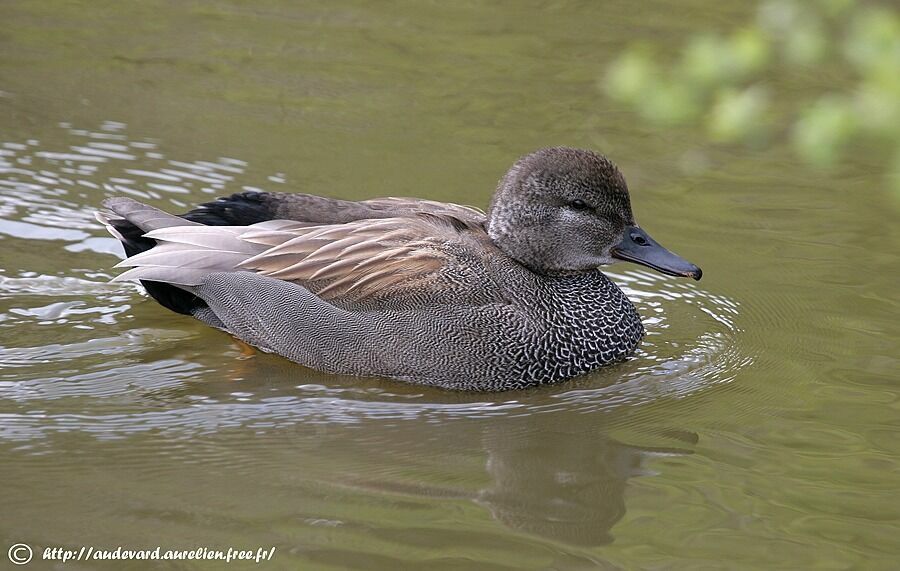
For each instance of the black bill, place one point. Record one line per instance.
(637, 246)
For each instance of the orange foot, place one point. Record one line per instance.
(247, 351)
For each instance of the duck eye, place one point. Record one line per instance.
(579, 204)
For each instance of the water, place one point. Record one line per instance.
(756, 428)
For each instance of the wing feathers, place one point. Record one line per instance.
(360, 258)
(357, 259)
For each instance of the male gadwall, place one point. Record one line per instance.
(426, 292)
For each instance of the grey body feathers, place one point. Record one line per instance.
(412, 290)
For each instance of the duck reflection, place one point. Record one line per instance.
(567, 485)
(556, 474)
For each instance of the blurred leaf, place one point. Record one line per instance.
(778, 18)
(873, 44)
(739, 114)
(707, 60)
(824, 129)
(632, 74)
(670, 103)
(807, 43)
(750, 50)
(878, 109)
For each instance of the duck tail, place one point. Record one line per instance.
(128, 222)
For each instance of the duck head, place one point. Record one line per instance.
(563, 210)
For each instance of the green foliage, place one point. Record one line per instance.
(822, 129)
(738, 114)
(725, 82)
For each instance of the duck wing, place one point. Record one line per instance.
(363, 258)
(360, 259)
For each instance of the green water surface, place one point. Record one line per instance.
(757, 428)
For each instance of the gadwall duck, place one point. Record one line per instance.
(417, 290)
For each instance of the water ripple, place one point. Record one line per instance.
(709, 358)
(110, 371)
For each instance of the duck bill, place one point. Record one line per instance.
(637, 246)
